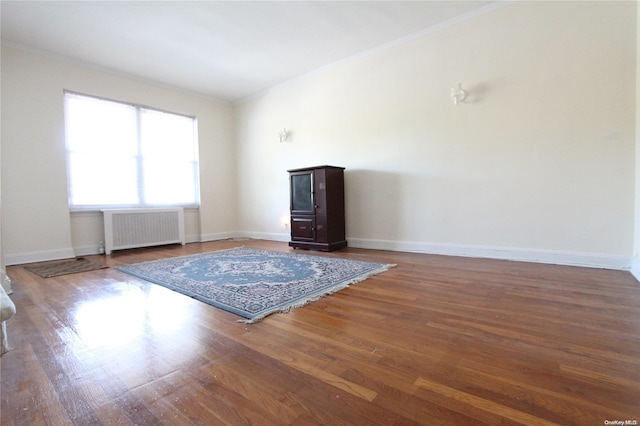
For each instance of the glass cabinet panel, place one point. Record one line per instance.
(302, 192)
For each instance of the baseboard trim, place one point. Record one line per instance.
(270, 236)
(634, 267)
(98, 249)
(589, 260)
(218, 236)
(38, 256)
(88, 250)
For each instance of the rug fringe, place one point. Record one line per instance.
(336, 288)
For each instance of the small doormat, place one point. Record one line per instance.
(66, 267)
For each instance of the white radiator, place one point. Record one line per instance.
(130, 228)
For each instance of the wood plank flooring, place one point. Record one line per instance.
(434, 341)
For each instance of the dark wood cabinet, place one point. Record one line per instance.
(317, 208)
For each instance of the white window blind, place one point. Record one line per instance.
(124, 155)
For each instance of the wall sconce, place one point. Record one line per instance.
(284, 135)
(457, 94)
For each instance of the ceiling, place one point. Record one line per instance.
(229, 50)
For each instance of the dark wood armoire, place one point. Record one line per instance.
(317, 208)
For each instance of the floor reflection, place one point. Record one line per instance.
(133, 314)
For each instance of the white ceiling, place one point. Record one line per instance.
(225, 49)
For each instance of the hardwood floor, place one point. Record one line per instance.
(435, 341)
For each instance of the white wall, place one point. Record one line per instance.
(5, 282)
(538, 163)
(37, 224)
(635, 262)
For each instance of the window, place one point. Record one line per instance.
(124, 155)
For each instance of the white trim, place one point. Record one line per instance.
(95, 249)
(589, 260)
(219, 236)
(194, 238)
(271, 236)
(137, 106)
(87, 250)
(634, 267)
(39, 256)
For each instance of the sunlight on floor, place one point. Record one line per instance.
(118, 320)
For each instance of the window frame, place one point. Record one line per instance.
(139, 108)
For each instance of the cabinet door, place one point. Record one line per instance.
(302, 192)
(303, 228)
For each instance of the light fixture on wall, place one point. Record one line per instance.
(457, 94)
(284, 135)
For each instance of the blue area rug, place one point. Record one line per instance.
(254, 283)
